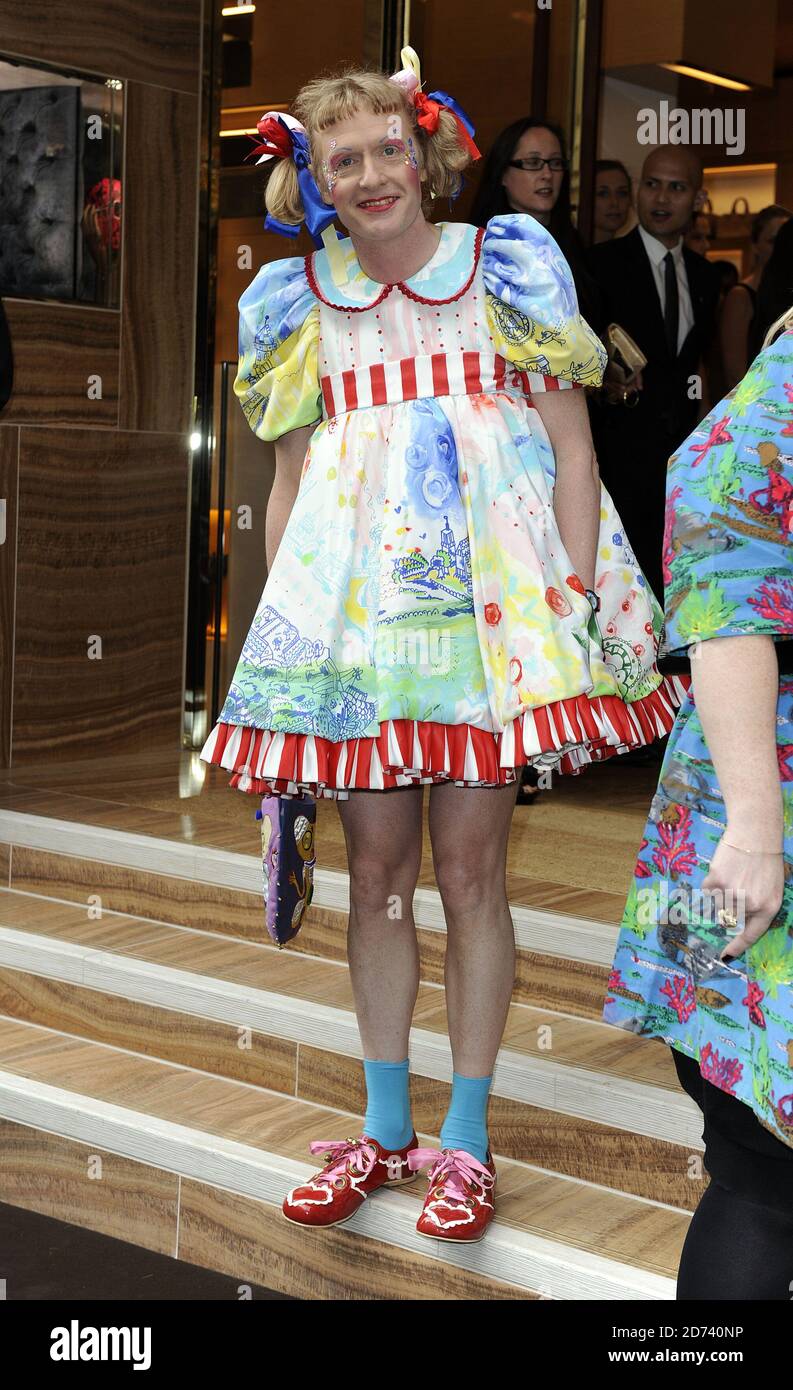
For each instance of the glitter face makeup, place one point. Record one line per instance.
(344, 162)
(368, 168)
(327, 173)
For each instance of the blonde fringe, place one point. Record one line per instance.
(325, 100)
(783, 322)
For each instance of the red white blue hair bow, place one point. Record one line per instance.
(429, 107)
(285, 138)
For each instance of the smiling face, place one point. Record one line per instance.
(534, 191)
(368, 167)
(612, 200)
(667, 189)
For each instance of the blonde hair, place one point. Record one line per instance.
(784, 322)
(325, 100)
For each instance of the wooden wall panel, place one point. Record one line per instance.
(116, 38)
(102, 532)
(9, 447)
(159, 265)
(292, 44)
(99, 548)
(634, 34)
(57, 347)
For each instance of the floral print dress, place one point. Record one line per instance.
(422, 620)
(728, 571)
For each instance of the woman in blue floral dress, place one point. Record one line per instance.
(704, 958)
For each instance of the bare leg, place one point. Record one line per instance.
(469, 830)
(383, 832)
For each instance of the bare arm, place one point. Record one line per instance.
(735, 682)
(736, 314)
(576, 494)
(290, 454)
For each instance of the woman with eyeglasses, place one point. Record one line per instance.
(527, 171)
(526, 148)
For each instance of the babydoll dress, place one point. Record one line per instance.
(422, 621)
(728, 571)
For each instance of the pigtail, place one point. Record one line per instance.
(282, 193)
(444, 155)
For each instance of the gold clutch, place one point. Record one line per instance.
(624, 354)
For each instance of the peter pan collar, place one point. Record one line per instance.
(446, 276)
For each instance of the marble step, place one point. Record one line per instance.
(563, 955)
(577, 1097)
(175, 1159)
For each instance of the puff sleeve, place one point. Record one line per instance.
(277, 381)
(728, 537)
(532, 305)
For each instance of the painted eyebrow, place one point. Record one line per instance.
(350, 149)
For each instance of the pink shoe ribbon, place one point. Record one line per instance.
(357, 1152)
(452, 1167)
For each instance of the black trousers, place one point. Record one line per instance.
(740, 1153)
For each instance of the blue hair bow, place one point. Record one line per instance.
(281, 140)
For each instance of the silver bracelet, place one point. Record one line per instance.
(750, 851)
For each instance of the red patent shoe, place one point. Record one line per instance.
(460, 1200)
(354, 1168)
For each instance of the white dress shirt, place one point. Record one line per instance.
(657, 251)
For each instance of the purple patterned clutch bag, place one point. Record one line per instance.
(288, 859)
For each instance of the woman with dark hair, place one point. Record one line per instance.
(527, 170)
(613, 199)
(739, 341)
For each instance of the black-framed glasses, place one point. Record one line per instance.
(534, 163)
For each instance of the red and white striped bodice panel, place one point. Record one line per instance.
(402, 347)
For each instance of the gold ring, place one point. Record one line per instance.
(727, 919)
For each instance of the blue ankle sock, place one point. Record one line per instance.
(388, 1103)
(465, 1126)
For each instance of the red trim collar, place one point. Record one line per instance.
(396, 285)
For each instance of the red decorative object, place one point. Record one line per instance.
(557, 602)
(105, 197)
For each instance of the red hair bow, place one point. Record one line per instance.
(277, 142)
(428, 112)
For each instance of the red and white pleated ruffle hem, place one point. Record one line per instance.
(563, 736)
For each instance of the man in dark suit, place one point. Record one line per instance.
(665, 297)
